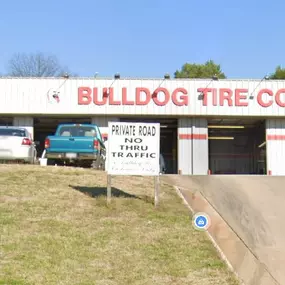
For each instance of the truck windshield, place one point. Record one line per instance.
(12, 132)
(77, 131)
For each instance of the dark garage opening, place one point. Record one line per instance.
(168, 139)
(46, 126)
(6, 121)
(237, 146)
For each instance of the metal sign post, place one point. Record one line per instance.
(156, 190)
(109, 188)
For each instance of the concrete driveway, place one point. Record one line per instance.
(252, 206)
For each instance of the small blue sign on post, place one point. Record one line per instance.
(201, 221)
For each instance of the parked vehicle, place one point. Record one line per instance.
(16, 144)
(77, 144)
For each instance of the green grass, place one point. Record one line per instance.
(56, 229)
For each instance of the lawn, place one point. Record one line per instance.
(56, 229)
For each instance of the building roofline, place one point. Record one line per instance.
(137, 78)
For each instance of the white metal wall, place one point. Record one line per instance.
(275, 146)
(27, 122)
(193, 146)
(233, 97)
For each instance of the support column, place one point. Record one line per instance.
(193, 155)
(275, 146)
(102, 123)
(25, 122)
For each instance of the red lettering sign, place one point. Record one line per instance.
(161, 97)
(84, 95)
(241, 97)
(166, 96)
(225, 97)
(260, 98)
(267, 98)
(182, 99)
(204, 92)
(125, 99)
(146, 99)
(278, 98)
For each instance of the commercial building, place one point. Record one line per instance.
(216, 126)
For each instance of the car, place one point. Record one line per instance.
(16, 144)
(77, 144)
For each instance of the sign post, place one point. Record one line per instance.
(156, 190)
(109, 188)
(133, 149)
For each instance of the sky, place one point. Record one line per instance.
(147, 38)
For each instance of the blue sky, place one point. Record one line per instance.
(147, 38)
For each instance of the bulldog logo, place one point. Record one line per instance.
(53, 96)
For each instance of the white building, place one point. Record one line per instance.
(225, 126)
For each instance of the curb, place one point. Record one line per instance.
(209, 236)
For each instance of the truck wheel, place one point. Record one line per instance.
(95, 164)
(103, 164)
(34, 161)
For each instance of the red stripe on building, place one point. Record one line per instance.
(193, 136)
(276, 137)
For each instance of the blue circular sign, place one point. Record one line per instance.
(201, 221)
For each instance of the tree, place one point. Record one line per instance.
(278, 74)
(35, 65)
(193, 70)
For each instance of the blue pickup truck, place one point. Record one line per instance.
(77, 144)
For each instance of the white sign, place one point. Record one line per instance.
(133, 149)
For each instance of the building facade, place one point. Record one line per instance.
(207, 126)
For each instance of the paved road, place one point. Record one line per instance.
(254, 207)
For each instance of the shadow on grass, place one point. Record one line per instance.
(102, 191)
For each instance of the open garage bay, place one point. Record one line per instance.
(236, 146)
(46, 126)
